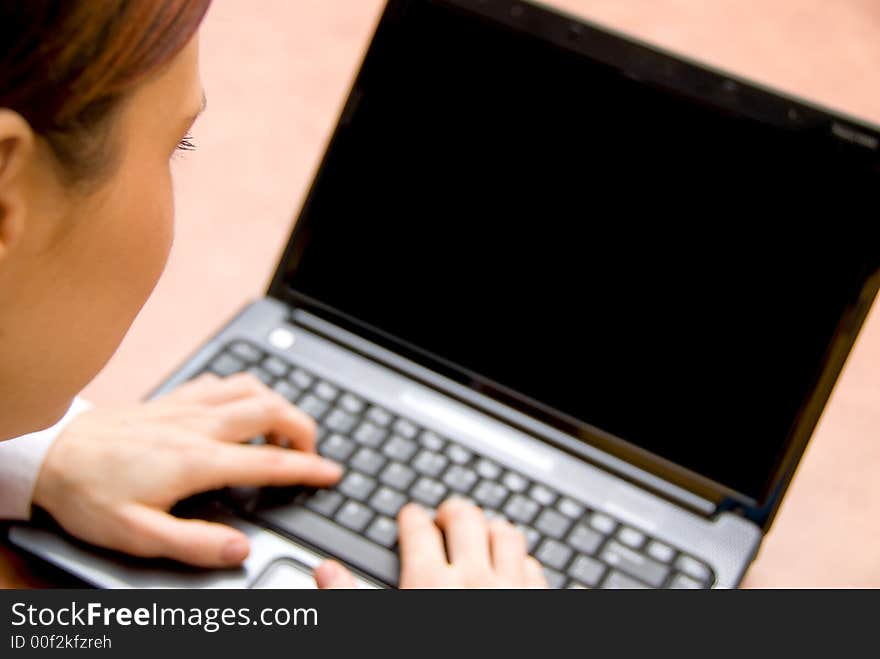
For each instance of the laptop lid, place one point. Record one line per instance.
(662, 260)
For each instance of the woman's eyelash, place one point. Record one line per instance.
(186, 144)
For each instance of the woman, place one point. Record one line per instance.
(95, 97)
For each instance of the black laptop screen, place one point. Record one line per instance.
(641, 262)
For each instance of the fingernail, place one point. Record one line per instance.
(332, 571)
(235, 550)
(328, 574)
(456, 501)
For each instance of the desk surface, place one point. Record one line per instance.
(275, 79)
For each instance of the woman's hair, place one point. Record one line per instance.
(65, 65)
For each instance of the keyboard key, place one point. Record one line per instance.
(553, 554)
(514, 482)
(631, 537)
(693, 568)
(337, 447)
(383, 531)
(399, 448)
(351, 404)
(490, 494)
(684, 582)
(661, 552)
(602, 523)
(616, 579)
(369, 435)
(301, 379)
(398, 476)
(542, 495)
(379, 416)
(554, 578)
(429, 463)
(552, 524)
(340, 421)
(324, 502)
(368, 461)
(461, 479)
(246, 352)
(636, 564)
(428, 491)
(287, 390)
(458, 454)
(387, 501)
(586, 570)
(405, 429)
(275, 366)
(431, 441)
(326, 391)
(521, 509)
(226, 364)
(569, 508)
(357, 486)
(312, 406)
(299, 522)
(354, 515)
(261, 374)
(488, 469)
(585, 539)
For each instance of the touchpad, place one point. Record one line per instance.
(285, 573)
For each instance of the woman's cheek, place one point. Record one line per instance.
(164, 229)
(152, 235)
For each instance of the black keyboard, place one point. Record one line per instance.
(391, 460)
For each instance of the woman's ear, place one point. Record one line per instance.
(17, 143)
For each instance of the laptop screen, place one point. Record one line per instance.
(638, 261)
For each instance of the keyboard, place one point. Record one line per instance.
(390, 460)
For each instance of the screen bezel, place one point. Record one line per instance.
(655, 67)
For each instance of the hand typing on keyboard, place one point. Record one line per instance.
(461, 550)
(113, 474)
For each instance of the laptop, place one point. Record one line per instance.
(600, 290)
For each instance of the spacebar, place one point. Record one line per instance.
(335, 540)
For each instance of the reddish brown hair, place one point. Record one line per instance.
(66, 64)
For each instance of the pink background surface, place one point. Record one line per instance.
(276, 73)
